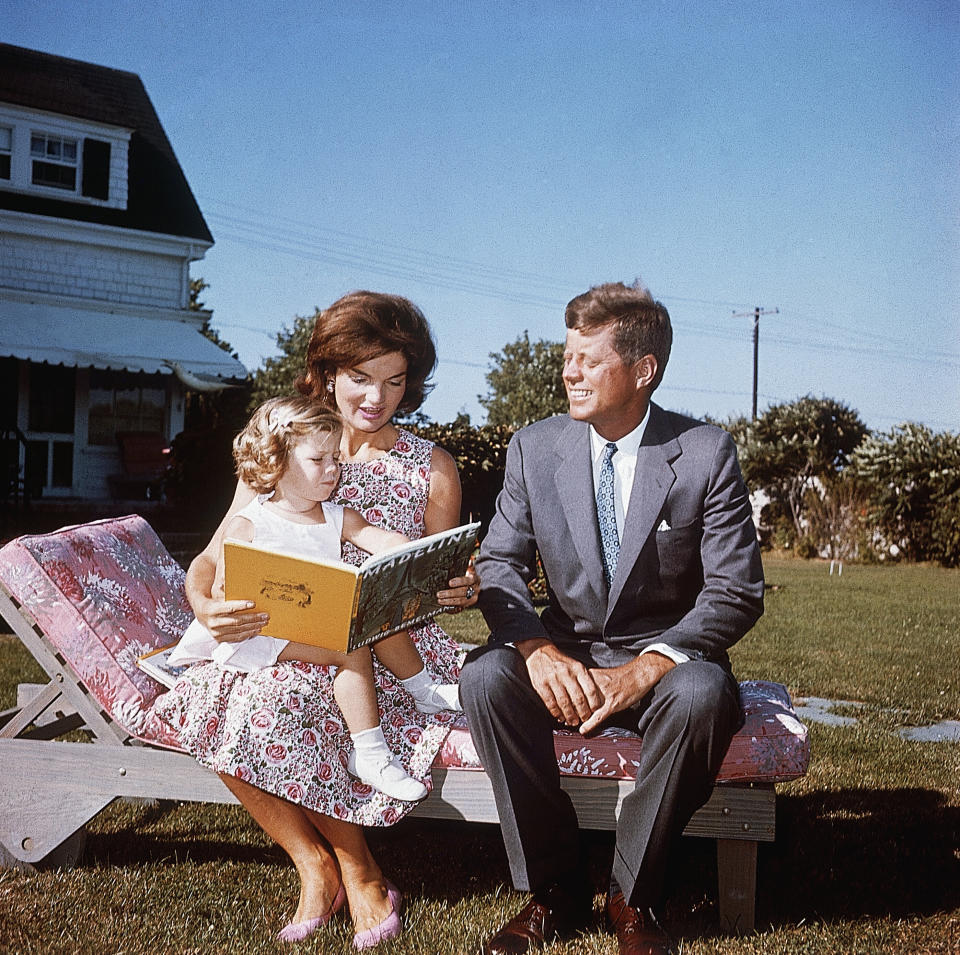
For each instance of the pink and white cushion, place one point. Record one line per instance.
(771, 746)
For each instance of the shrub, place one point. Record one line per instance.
(481, 456)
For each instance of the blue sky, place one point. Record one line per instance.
(491, 160)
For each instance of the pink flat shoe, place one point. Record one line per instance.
(298, 931)
(389, 928)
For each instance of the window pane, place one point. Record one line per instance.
(100, 426)
(62, 464)
(152, 406)
(51, 399)
(53, 148)
(118, 402)
(4, 167)
(6, 138)
(50, 174)
(36, 467)
(38, 145)
(70, 150)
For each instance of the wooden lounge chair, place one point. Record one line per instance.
(88, 600)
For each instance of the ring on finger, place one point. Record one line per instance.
(471, 593)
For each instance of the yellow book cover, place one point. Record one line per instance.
(338, 606)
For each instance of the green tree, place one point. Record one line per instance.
(914, 477)
(200, 478)
(278, 373)
(796, 447)
(525, 383)
(197, 288)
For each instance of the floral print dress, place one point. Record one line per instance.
(279, 728)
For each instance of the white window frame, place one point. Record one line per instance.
(27, 124)
(57, 158)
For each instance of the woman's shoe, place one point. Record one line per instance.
(389, 928)
(384, 772)
(298, 931)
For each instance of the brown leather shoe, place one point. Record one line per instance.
(531, 928)
(637, 932)
(551, 913)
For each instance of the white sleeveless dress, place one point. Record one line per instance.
(271, 530)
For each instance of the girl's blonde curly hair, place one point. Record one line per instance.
(262, 449)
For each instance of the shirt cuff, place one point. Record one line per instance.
(678, 656)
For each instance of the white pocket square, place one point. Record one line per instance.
(664, 526)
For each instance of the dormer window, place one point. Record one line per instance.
(63, 157)
(54, 161)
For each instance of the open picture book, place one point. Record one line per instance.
(334, 605)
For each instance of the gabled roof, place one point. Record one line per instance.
(159, 198)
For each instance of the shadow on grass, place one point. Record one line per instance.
(839, 855)
(861, 852)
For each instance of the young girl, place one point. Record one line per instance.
(289, 453)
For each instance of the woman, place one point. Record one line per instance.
(275, 738)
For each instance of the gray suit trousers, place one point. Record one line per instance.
(687, 722)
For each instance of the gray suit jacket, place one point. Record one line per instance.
(689, 573)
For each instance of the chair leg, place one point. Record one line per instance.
(737, 877)
(64, 856)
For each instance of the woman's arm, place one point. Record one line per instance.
(444, 497)
(442, 513)
(227, 620)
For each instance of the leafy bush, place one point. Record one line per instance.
(481, 456)
(914, 479)
(795, 447)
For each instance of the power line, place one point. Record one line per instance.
(291, 236)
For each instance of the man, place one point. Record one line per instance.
(643, 527)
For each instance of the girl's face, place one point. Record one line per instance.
(313, 468)
(369, 393)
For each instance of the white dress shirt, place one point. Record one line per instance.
(624, 469)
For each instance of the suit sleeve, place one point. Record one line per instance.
(731, 599)
(507, 561)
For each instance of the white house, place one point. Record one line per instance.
(98, 228)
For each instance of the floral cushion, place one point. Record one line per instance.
(103, 593)
(107, 592)
(771, 746)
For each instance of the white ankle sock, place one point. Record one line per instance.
(418, 685)
(430, 696)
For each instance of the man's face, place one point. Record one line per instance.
(601, 389)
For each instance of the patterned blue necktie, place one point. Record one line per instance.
(607, 516)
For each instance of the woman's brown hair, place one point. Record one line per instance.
(364, 325)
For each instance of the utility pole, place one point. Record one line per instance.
(756, 313)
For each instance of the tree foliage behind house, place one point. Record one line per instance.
(278, 373)
(525, 383)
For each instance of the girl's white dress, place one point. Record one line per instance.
(270, 529)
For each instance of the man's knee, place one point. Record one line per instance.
(487, 675)
(704, 690)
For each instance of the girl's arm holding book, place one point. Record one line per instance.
(364, 535)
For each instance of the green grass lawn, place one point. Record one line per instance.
(867, 857)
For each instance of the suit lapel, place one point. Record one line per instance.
(574, 483)
(653, 478)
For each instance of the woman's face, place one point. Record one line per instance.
(369, 393)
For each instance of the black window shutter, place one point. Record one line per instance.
(96, 169)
